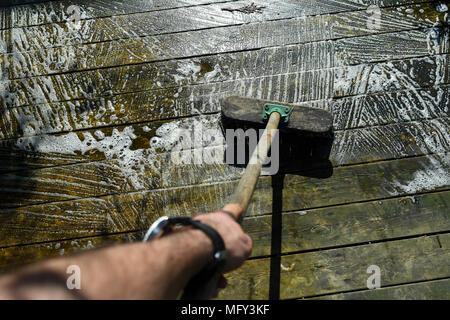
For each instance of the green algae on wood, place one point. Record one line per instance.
(134, 211)
(426, 290)
(345, 269)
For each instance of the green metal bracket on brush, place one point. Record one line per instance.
(284, 111)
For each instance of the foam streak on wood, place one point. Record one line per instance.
(183, 101)
(47, 60)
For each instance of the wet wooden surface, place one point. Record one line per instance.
(89, 112)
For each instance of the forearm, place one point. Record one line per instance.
(154, 270)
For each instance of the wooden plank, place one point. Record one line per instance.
(122, 144)
(210, 16)
(93, 217)
(15, 257)
(47, 12)
(402, 261)
(92, 145)
(344, 269)
(369, 144)
(7, 3)
(109, 82)
(428, 290)
(135, 211)
(189, 100)
(341, 225)
(125, 169)
(390, 107)
(115, 27)
(295, 87)
(129, 166)
(365, 222)
(318, 229)
(249, 282)
(45, 61)
(349, 112)
(56, 11)
(289, 63)
(387, 76)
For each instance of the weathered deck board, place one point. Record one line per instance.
(161, 170)
(251, 283)
(344, 269)
(47, 12)
(87, 122)
(210, 16)
(45, 61)
(57, 11)
(106, 113)
(349, 112)
(317, 229)
(15, 257)
(122, 172)
(390, 107)
(7, 3)
(365, 222)
(334, 82)
(428, 290)
(135, 211)
(235, 72)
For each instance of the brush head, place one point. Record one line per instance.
(305, 142)
(247, 112)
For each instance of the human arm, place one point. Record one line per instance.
(159, 269)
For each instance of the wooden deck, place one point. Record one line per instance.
(88, 110)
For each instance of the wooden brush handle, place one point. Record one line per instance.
(237, 204)
(239, 200)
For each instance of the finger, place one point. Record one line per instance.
(249, 244)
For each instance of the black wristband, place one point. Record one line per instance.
(219, 250)
(164, 224)
(197, 283)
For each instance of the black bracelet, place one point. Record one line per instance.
(219, 250)
(165, 224)
(212, 269)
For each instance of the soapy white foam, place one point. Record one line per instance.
(210, 75)
(133, 164)
(3, 46)
(169, 135)
(115, 147)
(187, 70)
(441, 7)
(435, 175)
(52, 118)
(99, 134)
